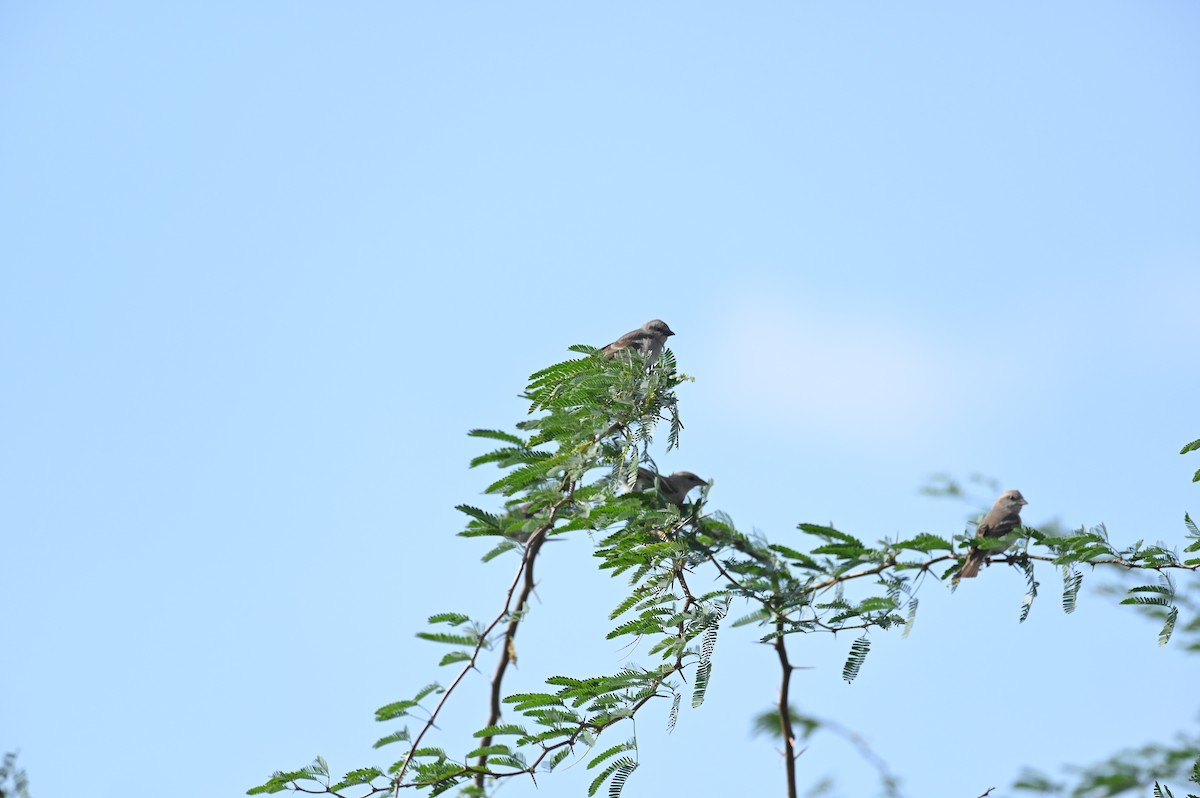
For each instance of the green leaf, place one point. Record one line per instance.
(911, 617)
(757, 616)
(559, 756)
(509, 456)
(1001, 543)
(799, 557)
(431, 751)
(703, 671)
(858, 655)
(1092, 553)
(1147, 601)
(396, 709)
(673, 716)
(429, 689)
(483, 516)
(611, 752)
(878, 604)
(280, 780)
(520, 478)
(1031, 592)
(638, 626)
(1033, 781)
(1191, 447)
(602, 777)
(1072, 579)
(572, 682)
(829, 533)
(925, 542)
(452, 618)
(443, 785)
(357, 777)
(628, 602)
(496, 434)
(526, 701)
(625, 768)
(841, 551)
(488, 750)
(1193, 531)
(500, 730)
(449, 639)
(563, 369)
(399, 736)
(1168, 627)
(503, 546)
(1161, 589)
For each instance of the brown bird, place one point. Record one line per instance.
(648, 340)
(674, 488)
(1003, 518)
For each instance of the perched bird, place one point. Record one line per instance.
(648, 340)
(1003, 518)
(674, 488)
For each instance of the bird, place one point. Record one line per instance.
(1003, 518)
(648, 340)
(674, 488)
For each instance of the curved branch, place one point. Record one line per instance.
(532, 547)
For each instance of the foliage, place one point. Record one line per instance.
(1125, 772)
(13, 781)
(1192, 447)
(1135, 769)
(570, 468)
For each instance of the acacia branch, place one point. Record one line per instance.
(785, 713)
(532, 547)
(526, 568)
(525, 580)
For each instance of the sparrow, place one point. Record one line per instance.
(648, 340)
(1003, 518)
(674, 488)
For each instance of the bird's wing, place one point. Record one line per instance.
(625, 341)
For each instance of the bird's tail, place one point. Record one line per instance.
(970, 568)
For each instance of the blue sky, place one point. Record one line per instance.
(263, 265)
